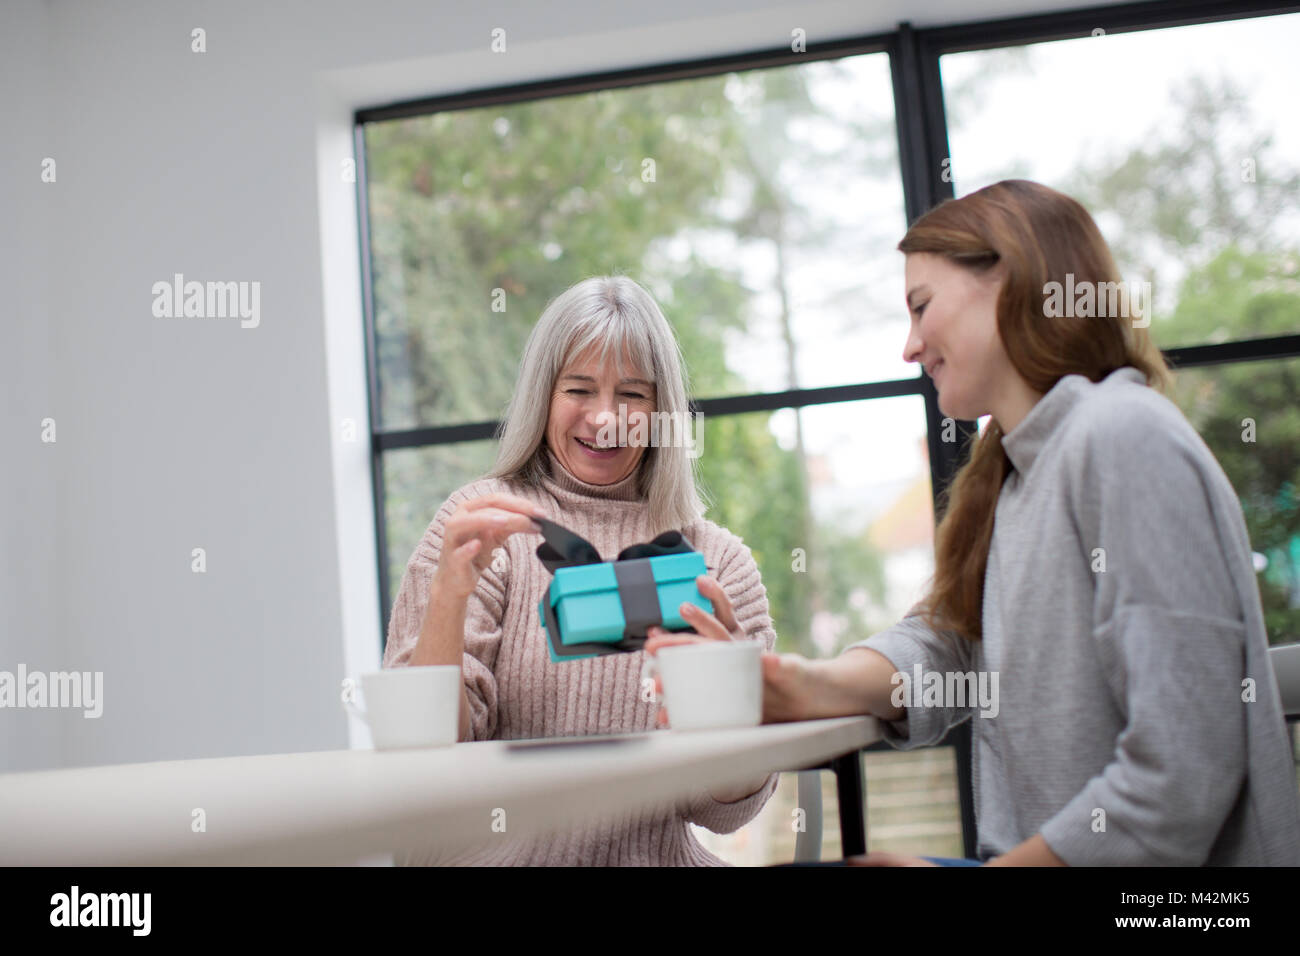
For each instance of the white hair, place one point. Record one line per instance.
(619, 317)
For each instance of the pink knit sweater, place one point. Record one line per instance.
(515, 691)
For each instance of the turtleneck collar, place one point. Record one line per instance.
(1025, 442)
(561, 478)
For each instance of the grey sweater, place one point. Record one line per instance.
(1137, 719)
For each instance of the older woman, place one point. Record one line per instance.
(601, 355)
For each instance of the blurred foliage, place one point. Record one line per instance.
(1203, 178)
(1255, 294)
(1214, 199)
(530, 198)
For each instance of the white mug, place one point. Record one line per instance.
(710, 684)
(411, 706)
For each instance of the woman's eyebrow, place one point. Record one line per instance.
(913, 291)
(626, 381)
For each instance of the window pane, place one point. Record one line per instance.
(416, 483)
(761, 208)
(835, 502)
(1181, 142)
(1249, 415)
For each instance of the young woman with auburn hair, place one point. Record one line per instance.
(1092, 554)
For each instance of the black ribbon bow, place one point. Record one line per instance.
(564, 549)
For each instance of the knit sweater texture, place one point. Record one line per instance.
(516, 692)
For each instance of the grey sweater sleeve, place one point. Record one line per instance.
(908, 643)
(1168, 633)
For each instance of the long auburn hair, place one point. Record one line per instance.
(1038, 236)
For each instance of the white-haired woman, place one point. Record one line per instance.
(601, 360)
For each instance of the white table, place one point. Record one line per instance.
(337, 807)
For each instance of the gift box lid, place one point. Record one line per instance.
(591, 578)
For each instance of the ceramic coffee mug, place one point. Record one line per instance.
(411, 706)
(710, 685)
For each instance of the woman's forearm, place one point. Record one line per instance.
(442, 632)
(442, 642)
(859, 681)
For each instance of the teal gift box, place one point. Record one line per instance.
(595, 607)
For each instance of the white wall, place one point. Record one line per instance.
(28, 468)
(175, 434)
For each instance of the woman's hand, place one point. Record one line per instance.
(476, 529)
(789, 687)
(719, 626)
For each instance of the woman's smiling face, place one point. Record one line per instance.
(954, 333)
(592, 407)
